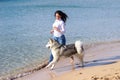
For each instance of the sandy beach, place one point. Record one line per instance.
(102, 62)
(25, 29)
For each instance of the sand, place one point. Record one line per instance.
(102, 62)
(104, 72)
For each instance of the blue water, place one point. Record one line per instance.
(25, 26)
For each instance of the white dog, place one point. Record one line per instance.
(65, 50)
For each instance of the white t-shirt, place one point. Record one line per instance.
(61, 26)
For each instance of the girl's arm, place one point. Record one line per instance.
(57, 29)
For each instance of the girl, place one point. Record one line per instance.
(58, 29)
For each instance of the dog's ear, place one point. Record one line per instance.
(51, 40)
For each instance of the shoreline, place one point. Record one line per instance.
(23, 71)
(88, 47)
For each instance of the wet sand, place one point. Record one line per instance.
(101, 63)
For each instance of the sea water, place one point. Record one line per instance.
(25, 27)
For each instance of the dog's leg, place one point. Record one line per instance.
(52, 63)
(81, 59)
(72, 62)
(55, 60)
(49, 65)
(80, 56)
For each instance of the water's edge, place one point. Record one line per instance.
(26, 71)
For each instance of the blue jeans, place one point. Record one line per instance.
(61, 40)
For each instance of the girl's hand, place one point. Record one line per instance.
(52, 31)
(55, 28)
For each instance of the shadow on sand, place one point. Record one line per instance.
(102, 61)
(98, 62)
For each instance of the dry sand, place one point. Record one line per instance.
(103, 72)
(101, 63)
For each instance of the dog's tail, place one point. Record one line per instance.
(79, 47)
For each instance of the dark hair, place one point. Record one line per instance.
(62, 14)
